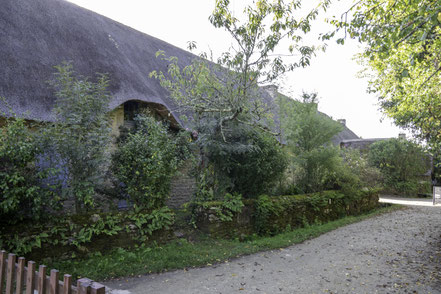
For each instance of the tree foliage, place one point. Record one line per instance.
(228, 89)
(308, 135)
(223, 100)
(402, 43)
(79, 139)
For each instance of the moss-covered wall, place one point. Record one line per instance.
(78, 235)
(271, 215)
(65, 236)
(242, 224)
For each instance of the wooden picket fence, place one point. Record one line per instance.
(26, 280)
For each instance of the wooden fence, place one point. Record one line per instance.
(15, 277)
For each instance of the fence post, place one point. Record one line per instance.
(84, 286)
(30, 276)
(20, 275)
(97, 288)
(10, 273)
(67, 284)
(2, 269)
(53, 287)
(41, 279)
(13, 273)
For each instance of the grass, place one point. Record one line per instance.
(180, 254)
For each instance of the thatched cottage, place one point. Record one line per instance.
(36, 35)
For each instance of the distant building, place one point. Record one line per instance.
(361, 144)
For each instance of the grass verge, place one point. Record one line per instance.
(181, 253)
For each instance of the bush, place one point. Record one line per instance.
(318, 169)
(22, 192)
(250, 163)
(146, 160)
(272, 215)
(402, 164)
(356, 171)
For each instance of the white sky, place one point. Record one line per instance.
(332, 74)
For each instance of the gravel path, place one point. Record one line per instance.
(398, 252)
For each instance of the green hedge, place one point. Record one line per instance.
(272, 215)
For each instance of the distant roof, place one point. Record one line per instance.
(345, 135)
(361, 143)
(364, 140)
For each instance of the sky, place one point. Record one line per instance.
(333, 74)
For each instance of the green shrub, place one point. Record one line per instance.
(23, 193)
(145, 161)
(402, 164)
(231, 205)
(356, 172)
(249, 163)
(317, 169)
(265, 208)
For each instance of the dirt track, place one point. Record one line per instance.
(399, 252)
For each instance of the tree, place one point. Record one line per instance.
(224, 96)
(228, 90)
(402, 43)
(308, 135)
(79, 139)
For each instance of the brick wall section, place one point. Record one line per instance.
(183, 185)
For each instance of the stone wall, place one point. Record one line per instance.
(285, 212)
(183, 186)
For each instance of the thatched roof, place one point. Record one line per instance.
(345, 134)
(36, 35)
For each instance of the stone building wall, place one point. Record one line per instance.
(183, 185)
